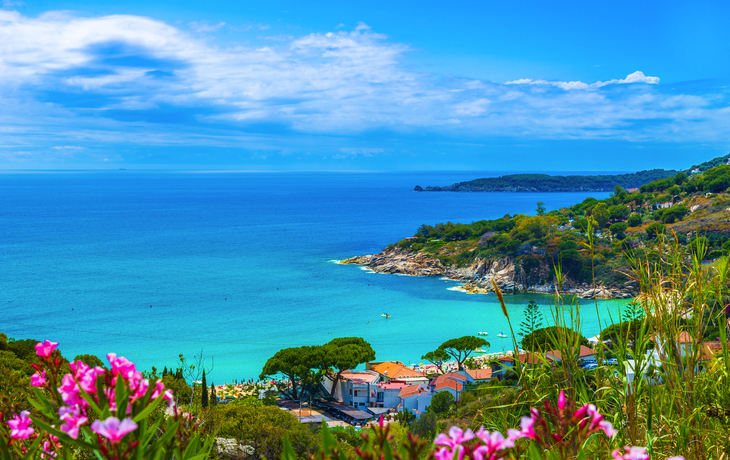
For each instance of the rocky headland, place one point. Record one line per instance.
(478, 276)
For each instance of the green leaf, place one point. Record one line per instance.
(288, 453)
(63, 437)
(148, 410)
(33, 448)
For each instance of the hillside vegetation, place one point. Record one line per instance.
(693, 209)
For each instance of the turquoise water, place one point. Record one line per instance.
(238, 265)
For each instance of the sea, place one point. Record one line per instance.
(231, 267)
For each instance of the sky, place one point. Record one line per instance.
(378, 86)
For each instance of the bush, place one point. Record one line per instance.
(542, 339)
(634, 220)
(654, 230)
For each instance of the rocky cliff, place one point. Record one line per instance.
(477, 277)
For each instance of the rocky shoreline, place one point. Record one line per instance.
(477, 278)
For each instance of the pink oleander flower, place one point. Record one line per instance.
(123, 366)
(447, 454)
(455, 438)
(632, 453)
(527, 426)
(562, 402)
(73, 420)
(20, 426)
(597, 422)
(113, 429)
(69, 391)
(38, 380)
(86, 375)
(494, 441)
(44, 349)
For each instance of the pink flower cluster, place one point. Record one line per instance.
(84, 381)
(560, 428)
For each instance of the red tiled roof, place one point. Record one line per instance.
(410, 391)
(359, 377)
(395, 370)
(480, 374)
(584, 351)
(449, 384)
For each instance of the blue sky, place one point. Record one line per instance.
(481, 85)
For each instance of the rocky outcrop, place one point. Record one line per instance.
(478, 276)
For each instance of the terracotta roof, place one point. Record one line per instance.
(396, 370)
(505, 358)
(584, 351)
(449, 383)
(480, 374)
(448, 376)
(411, 390)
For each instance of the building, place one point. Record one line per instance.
(584, 354)
(505, 363)
(394, 370)
(415, 398)
(480, 375)
(453, 382)
(357, 389)
(387, 394)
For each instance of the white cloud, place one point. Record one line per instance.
(90, 80)
(636, 77)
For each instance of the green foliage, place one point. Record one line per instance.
(302, 366)
(532, 321)
(544, 339)
(343, 353)
(90, 360)
(540, 208)
(426, 425)
(204, 392)
(634, 220)
(655, 229)
(441, 402)
(618, 229)
(263, 428)
(461, 348)
(600, 214)
(437, 358)
(717, 179)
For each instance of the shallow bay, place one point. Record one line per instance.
(153, 264)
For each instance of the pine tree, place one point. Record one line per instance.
(532, 321)
(204, 396)
(213, 396)
(164, 371)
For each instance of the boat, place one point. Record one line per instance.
(502, 335)
(482, 333)
(385, 315)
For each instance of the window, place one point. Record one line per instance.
(381, 396)
(356, 393)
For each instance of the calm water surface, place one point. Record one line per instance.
(238, 265)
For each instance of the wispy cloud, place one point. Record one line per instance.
(68, 80)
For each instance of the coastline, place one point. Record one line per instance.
(477, 278)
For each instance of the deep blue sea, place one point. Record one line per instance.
(239, 265)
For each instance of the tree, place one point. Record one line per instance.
(532, 321)
(618, 212)
(544, 339)
(90, 360)
(461, 348)
(437, 358)
(345, 353)
(302, 366)
(600, 214)
(204, 393)
(471, 363)
(540, 208)
(655, 229)
(618, 229)
(425, 426)
(441, 402)
(634, 220)
(405, 417)
(213, 396)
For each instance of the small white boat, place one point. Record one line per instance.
(502, 335)
(385, 315)
(482, 333)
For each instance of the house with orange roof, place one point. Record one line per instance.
(480, 375)
(395, 370)
(505, 363)
(415, 398)
(584, 353)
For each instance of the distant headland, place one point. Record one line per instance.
(577, 183)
